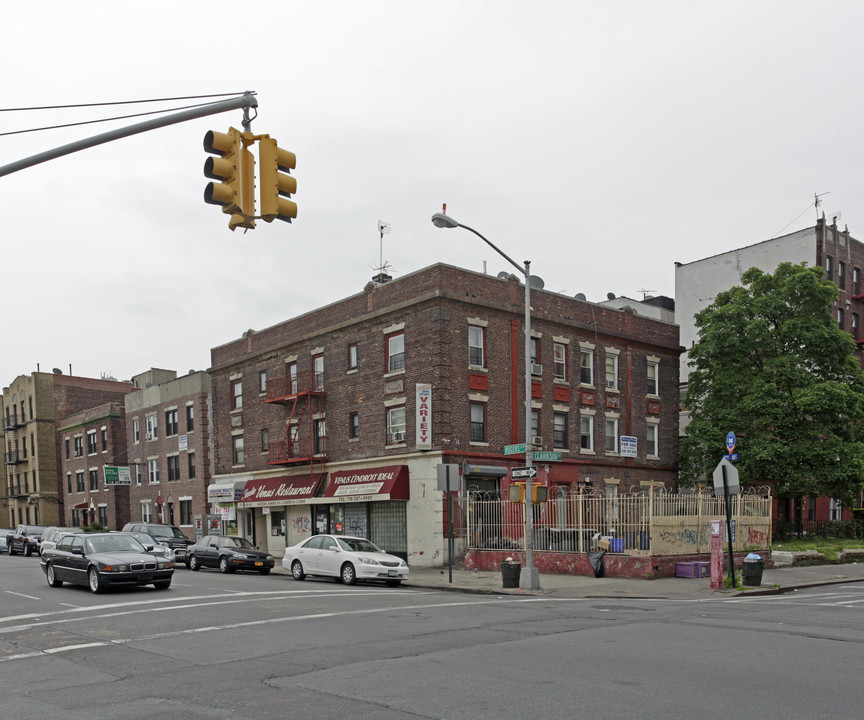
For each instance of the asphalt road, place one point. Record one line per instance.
(246, 646)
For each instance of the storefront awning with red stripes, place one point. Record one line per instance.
(378, 483)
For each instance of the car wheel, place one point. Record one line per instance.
(223, 565)
(394, 583)
(94, 580)
(12, 550)
(193, 563)
(162, 584)
(52, 578)
(349, 574)
(297, 570)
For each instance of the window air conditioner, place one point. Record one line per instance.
(536, 369)
(398, 437)
(149, 436)
(537, 440)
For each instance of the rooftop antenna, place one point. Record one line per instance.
(645, 294)
(381, 270)
(817, 202)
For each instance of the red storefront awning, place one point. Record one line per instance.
(283, 490)
(379, 483)
(81, 506)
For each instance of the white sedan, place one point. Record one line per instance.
(347, 558)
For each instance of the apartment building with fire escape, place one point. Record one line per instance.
(336, 420)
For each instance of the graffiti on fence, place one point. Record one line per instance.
(757, 537)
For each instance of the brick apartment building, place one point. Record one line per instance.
(168, 431)
(89, 441)
(336, 420)
(33, 408)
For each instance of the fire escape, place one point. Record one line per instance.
(304, 440)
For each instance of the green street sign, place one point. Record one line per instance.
(543, 456)
(514, 449)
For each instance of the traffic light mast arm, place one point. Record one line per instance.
(247, 100)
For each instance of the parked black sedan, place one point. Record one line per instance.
(228, 553)
(104, 560)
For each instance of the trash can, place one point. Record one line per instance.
(510, 574)
(752, 572)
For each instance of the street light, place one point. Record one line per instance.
(529, 578)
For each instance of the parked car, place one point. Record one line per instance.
(104, 560)
(347, 558)
(26, 539)
(152, 545)
(169, 535)
(229, 553)
(4, 545)
(52, 534)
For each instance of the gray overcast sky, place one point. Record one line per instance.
(601, 141)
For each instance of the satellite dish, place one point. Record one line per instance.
(536, 282)
(580, 296)
(503, 275)
(57, 371)
(610, 296)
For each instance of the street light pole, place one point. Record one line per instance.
(529, 577)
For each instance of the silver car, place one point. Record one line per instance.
(152, 545)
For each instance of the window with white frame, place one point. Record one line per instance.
(476, 346)
(79, 446)
(559, 430)
(318, 371)
(652, 438)
(146, 512)
(319, 430)
(291, 375)
(265, 440)
(395, 352)
(396, 425)
(262, 382)
(611, 370)
(835, 509)
(153, 471)
(586, 433)
(829, 267)
(190, 418)
(91, 442)
(478, 421)
(237, 394)
(559, 361)
(352, 356)
(586, 366)
(136, 471)
(171, 425)
(535, 423)
(535, 351)
(94, 479)
(611, 435)
(136, 431)
(152, 425)
(652, 371)
(238, 449)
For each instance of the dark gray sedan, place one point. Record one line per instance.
(228, 553)
(104, 560)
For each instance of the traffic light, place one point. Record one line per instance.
(276, 183)
(235, 168)
(516, 492)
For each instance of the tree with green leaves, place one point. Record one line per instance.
(773, 366)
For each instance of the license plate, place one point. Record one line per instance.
(392, 573)
(259, 563)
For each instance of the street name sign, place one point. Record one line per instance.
(523, 473)
(514, 449)
(546, 456)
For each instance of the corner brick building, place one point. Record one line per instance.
(336, 421)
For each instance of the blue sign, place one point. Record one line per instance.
(731, 456)
(730, 441)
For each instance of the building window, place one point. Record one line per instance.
(173, 468)
(79, 481)
(651, 441)
(190, 418)
(152, 424)
(153, 471)
(535, 351)
(396, 425)
(104, 439)
(136, 430)
(191, 463)
(102, 512)
(91, 442)
(171, 425)
(319, 429)
(318, 371)
(856, 281)
(354, 425)
(185, 512)
(66, 443)
(239, 453)
(265, 440)
(146, 512)
(291, 374)
(841, 275)
(262, 382)
(352, 356)
(611, 371)
(586, 367)
(652, 371)
(94, 480)
(559, 430)
(535, 423)
(835, 510)
(395, 352)
(79, 446)
(841, 317)
(476, 346)
(137, 470)
(586, 433)
(829, 267)
(236, 394)
(69, 483)
(559, 361)
(856, 322)
(611, 435)
(478, 422)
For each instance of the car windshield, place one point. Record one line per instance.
(112, 543)
(34, 529)
(238, 542)
(166, 532)
(358, 545)
(145, 539)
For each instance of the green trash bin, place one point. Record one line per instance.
(752, 572)
(510, 574)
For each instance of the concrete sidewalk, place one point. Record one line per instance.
(487, 582)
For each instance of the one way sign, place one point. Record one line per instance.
(523, 473)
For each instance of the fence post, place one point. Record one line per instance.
(580, 523)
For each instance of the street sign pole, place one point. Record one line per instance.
(729, 525)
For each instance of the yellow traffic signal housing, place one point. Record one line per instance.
(275, 181)
(516, 492)
(235, 168)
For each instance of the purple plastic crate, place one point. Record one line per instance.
(692, 569)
